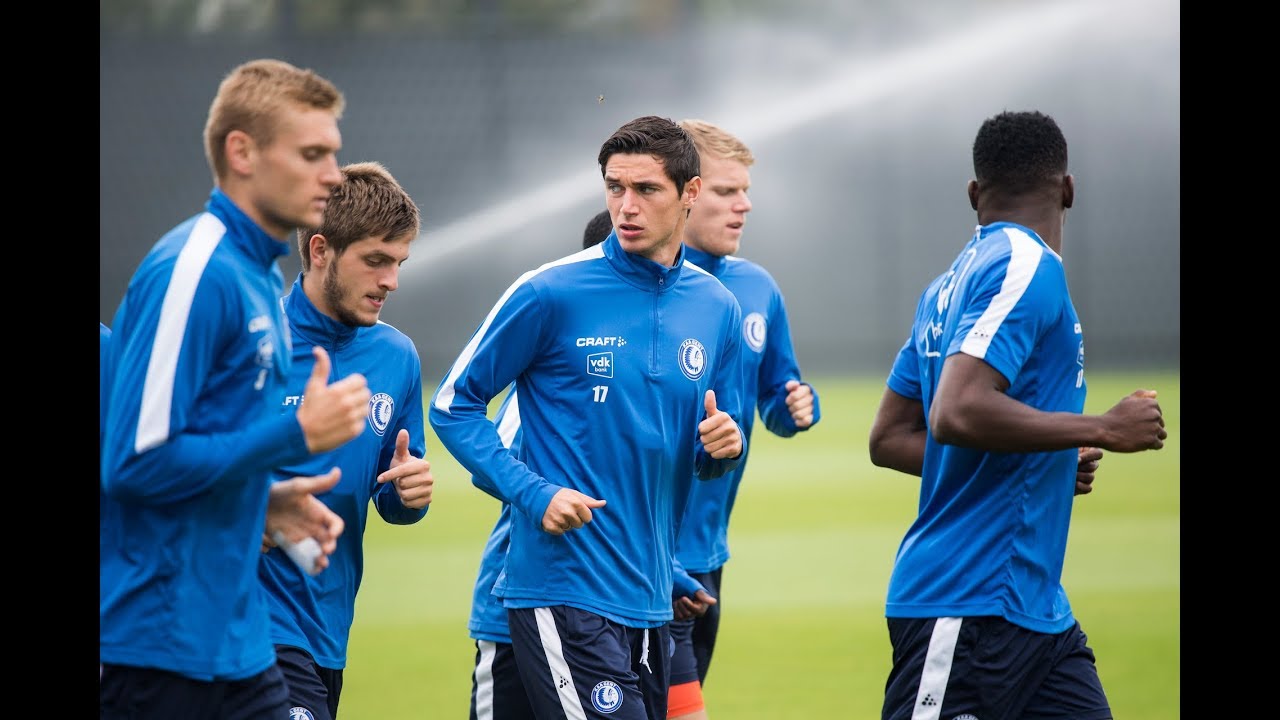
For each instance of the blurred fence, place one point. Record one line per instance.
(862, 138)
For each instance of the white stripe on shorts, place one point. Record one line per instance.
(556, 663)
(937, 669)
(484, 679)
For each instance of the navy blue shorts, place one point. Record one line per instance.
(497, 693)
(576, 664)
(989, 668)
(134, 693)
(313, 690)
(695, 638)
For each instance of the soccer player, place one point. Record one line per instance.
(497, 692)
(626, 361)
(196, 368)
(985, 402)
(597, 229)
(771, 383)
(350, 265)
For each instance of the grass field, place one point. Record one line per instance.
(813, 537)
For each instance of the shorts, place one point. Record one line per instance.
(577, 664)
(987, 668)
(695, 638)
(136, 693)
(497, 693)
(313, 690)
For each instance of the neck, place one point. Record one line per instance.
(244, 201)
(1046, 222)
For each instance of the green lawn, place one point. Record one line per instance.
(814, 532)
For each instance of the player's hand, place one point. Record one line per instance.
(686, 607)
(411, 476)
(294, 511)
(800, 403)
(718, 432)
(1134, 424)
(1086, 466)
(569, 510)
(331, 414)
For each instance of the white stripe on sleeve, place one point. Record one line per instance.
(157, 389)
(444, 398)
(1023, 261)
(509, 425)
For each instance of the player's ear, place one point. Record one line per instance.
(973, 194)
(1068, 190)
(316, 248)
(239, 148)
(691, 191)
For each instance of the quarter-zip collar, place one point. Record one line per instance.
(713, 264)
(313, 326)
(243, 232)
(640, 271)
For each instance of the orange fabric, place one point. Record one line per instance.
(684, 698)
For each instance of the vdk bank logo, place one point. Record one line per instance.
(600, 364)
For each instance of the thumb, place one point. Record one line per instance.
(593, 503)
(402, 446)
(706, 597)
(709, 402)
(1144, 393)
(320, 371)
(320, 483)
(792, 385)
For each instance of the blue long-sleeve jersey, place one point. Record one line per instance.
(611, 355)
(196, 368)
(315, 613)
(991, 534)
(104, 334)
(769, 361)
(488, 615)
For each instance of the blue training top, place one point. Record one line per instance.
(197, 363)
(611, 354)
(991, 534)
(488, 615)
(315, 613)
(769, 361)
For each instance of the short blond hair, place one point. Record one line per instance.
(714, 141)
(252, 97)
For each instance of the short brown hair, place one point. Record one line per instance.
(659, 137)
(712, 140)
(368, 203)
(251, 98)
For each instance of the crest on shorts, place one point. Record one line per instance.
(300, 713)
(381, 408)
(966, 716)
(693, 359)
(753, 331)
(606, 696)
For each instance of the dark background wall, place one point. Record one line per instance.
(861, 116)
